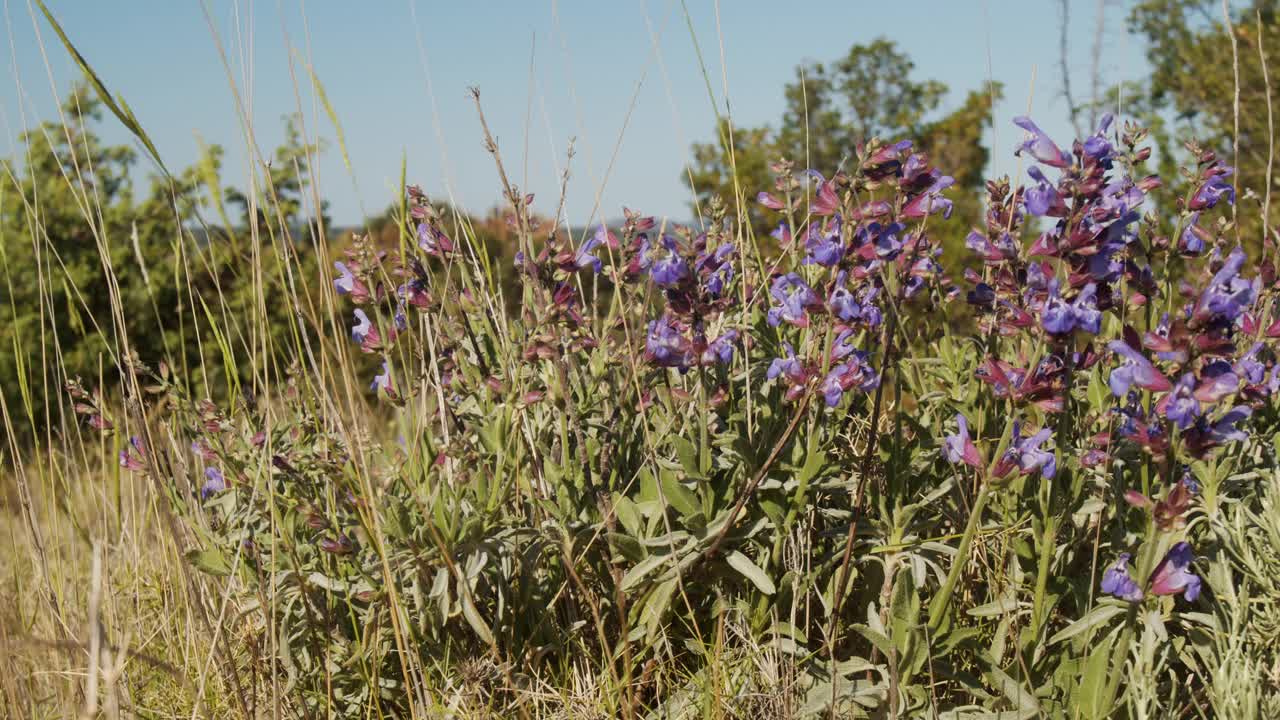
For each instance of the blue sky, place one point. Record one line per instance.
(588, 60)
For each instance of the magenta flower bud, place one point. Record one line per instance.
(132, 456)
(959, 448)
(769, 201)
(825, 201)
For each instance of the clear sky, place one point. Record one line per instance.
(382, 62)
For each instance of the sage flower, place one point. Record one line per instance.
(1118, 582)
(1172, 575)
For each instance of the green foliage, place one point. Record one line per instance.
(529, 498)
(1193, 84)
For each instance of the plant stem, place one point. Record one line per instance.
(938, 607)
(1042, 573)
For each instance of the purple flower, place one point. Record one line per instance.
(1181, 406)
(1228, 295)
(825, 249)
(887, 160)
(843, 346)
(769, 201)
(916, 166)
(1039, 145)
(363, 327)
(987, 250)
(959, 447)
(1118, 582)
(1056, 316)
(721, 349)
(1248, 366)
(1217, 380)
(365, 333)
(1097, 146)
(715, 269)
(1088, 317)
(203, 451)
(383, 382)
(670, 270)
(1059, 318)
(1225, 429)
(583, 259)
(825, 202)
(1041, 198)
(842, 303)
(1213, 190)
(787, 366)
(1172, 577)
(794, 297)
(982, 295)
(854, 372)
(346, 281)
(1120, 200)
(666, 345)
(414, 292)
(1136, 370)
(129, 460)
(1031, 458)
(931, 201)
(214, 482)
(342, 545)
(433, 241)
(881, 241)
(1193, 237)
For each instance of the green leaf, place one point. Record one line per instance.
(1013, 690)
(680, 497)
(688, 456)
(331, 584)
(212, 561)
(476, 622)
(752, 572)
(1002, 606)
(1093, 618)
(1099, 391)
(638, 573)
(876, 638)
(627, 514)
(627, 546)
(813, 464)
(116, 105)
(655, 606)
(1092, 696)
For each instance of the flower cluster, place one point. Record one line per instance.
(1174, 381)
(1026, 455)
(694, 274)
(859, 246)
(553, 300)
(1171, 577)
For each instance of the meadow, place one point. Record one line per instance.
(825, 451)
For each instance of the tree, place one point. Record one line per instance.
(85, 263)
(1192, 89)
(286, 195)
(829, 110)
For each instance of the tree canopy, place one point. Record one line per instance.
(830, 108)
